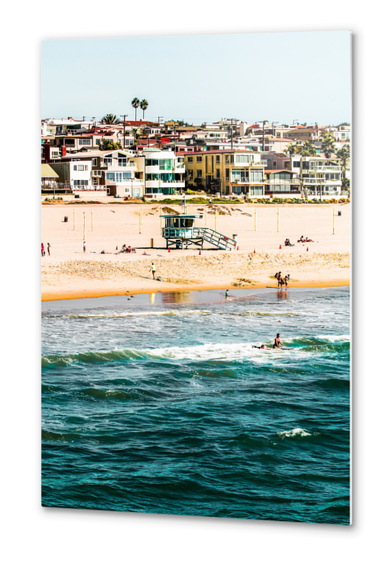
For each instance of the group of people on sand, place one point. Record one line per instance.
(282, 280)
(43, 251)
(277, 344)
(307, 239)
(127, 249)
(288, 243)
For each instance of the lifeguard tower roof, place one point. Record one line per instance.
(181, 216)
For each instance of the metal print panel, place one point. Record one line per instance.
(196, 276)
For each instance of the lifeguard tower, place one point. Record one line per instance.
(180, 232)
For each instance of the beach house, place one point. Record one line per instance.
(228, 172)
(163, 170)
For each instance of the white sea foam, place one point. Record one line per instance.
(297, 432)
(134, 314)
(229, 352)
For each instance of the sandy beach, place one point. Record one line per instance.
(70, 273)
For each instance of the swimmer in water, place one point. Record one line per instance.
(277, 343)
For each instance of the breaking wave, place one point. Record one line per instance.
(205, 352)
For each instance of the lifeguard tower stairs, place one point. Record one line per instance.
(180, 233)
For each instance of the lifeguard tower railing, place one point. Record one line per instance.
(180, 232)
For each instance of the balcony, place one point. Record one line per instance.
(175, 184)
(324, 169)
(282, 182)
(112, 164)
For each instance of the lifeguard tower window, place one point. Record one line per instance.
(179, 223)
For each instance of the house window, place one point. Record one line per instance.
(274, 164)
(190, 159)
(243, 158)
(232, 159)
(94, 162)
(218, 159)
(199, 158)
(81, 168)
(81, 183)
(84, 142)
(227, 171)
(199, 173)
(218, 175)
(226, 158)
(74, 167)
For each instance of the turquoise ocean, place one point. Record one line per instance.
(159, 404)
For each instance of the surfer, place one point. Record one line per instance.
(260, 347)
(277, 343)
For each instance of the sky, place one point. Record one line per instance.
(279, 77)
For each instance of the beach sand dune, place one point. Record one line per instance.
(70, 273)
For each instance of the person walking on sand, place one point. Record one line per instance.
(153, 269)
(48, 248)
(277, 343)
(42, 249)
(84, 246)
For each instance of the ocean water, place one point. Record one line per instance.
(160, 404)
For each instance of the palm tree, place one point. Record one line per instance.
(344, 155)
(110, 119)
(328, 145)
(308, 149)
(292, 149)
(135, 104)
(143, 106)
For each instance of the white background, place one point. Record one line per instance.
(31, 532)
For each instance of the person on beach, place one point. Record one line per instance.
(280, 281)
(226, 293)
(42, 249)
(153, 269)
(84, 246)
(48, 248)
(277, 343)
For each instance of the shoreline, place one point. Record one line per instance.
(48, 296)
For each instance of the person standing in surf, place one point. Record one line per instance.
(277, 343)
(153, 269)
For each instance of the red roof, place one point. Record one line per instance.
(136, 123)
